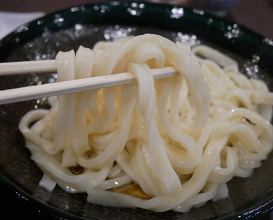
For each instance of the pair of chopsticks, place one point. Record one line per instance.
(60, 88)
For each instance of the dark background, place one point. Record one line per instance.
(254, 14)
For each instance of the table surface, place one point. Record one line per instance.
(254, 14)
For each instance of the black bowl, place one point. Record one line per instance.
(85, 25)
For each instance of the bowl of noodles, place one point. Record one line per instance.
(195, 145)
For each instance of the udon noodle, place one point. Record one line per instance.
(165, 144)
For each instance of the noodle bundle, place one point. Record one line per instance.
(165, 144)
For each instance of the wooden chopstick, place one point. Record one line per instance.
(24, 67)
(59, 88)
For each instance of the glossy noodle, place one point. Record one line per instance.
(165, 144)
